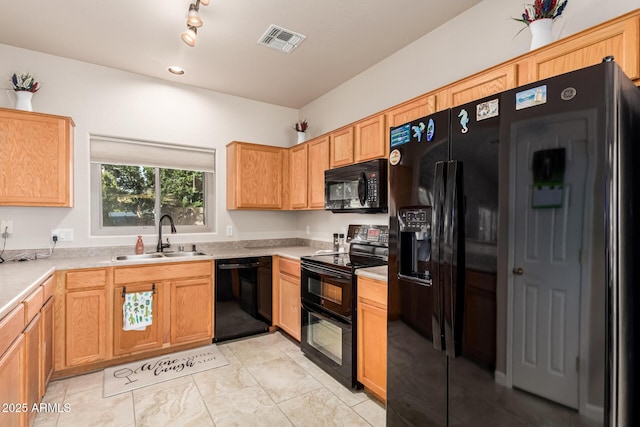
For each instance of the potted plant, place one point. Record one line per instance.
(301, 127)
(24, 86)
(539, 17)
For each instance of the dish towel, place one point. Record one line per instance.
(137, 311)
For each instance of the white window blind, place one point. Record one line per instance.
(134, 152)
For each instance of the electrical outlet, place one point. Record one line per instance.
(229, 230)
(63, 234)
(6, 226)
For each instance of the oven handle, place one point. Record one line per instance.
(333, 318)
(325, 271)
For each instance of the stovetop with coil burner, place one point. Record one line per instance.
(369, 247)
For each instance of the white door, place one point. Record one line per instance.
(546, 272)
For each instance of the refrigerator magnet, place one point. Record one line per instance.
(486, 110)
(431, 129)
(531, 97)
(394, 157)
(464, 120)
(418, 130)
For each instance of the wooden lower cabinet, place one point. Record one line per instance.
(12, 384)
(86, 327)
(126, 342)
(46, 341)
(32, 364)
(288, 284)
(372, 335)
(191, 310)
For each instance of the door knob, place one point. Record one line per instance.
(518, 271)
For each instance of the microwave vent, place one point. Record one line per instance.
(281, 39)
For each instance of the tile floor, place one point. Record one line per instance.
(268, 382)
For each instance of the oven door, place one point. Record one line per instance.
(330, 289)
(328, 341)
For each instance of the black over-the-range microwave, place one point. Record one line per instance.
(360, 188)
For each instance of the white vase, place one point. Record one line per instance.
(541, 32)
(302, 137)
(23, 100)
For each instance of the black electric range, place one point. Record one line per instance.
(328, 292)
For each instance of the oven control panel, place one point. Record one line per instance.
(373, 234)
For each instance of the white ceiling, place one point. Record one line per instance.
(344, 38)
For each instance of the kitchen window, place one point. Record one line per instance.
(134, 183)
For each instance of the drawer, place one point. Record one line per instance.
(81, 279)
(32, 304)
(163, 271)
(11, 327)
(372, 290)
(289, 266)
(48, 287)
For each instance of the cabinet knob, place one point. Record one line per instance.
(518, 271)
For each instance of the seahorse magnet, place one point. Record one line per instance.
(464, 120)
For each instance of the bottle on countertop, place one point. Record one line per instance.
(139, 246)
(336, 244)
(341, 243)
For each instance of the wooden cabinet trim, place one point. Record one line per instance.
(162, 272)
(33, 303)
(48, 287)
(11, 326)
(290, 267)
(84, 279)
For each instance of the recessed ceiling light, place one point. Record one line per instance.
(176, 70)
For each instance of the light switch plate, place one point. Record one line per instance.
(229, 230)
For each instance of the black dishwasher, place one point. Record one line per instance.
(243, 297)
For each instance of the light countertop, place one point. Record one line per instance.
(19, 279)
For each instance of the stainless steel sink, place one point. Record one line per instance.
(183, 254)
(138, 256)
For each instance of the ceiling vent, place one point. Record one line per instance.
(281, 39)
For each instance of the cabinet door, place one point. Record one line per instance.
(372, 335)
(318, 163)
(36, 163)
(125, 342)
(618, 39)
(370, 139)
(86, 327)
(12, 383)
(341, 151)
(191, 310)
(290, 305)
(299, 185)
(255, 176)
(32, 364)
(475, 87)
(46, 342)
(413, 110)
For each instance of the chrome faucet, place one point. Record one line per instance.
(161, 245)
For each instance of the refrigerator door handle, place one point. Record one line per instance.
(454, 262)
(437, 330)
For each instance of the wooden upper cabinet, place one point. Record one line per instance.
(318, 163)
(404, 113)
(256, 176)
(478, 86)
(370, 141)
(299, 165)
(619, 39)
(341, 147)
(36, 166)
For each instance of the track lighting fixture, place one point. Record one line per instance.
(189, 36)
(193, 19)
(204, 2)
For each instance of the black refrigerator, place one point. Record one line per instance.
(513, 223)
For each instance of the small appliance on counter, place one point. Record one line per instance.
(357, 188)
(328, 298)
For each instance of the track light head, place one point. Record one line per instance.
(193, 19)
(189, 36)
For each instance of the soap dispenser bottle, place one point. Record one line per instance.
(139, 246)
